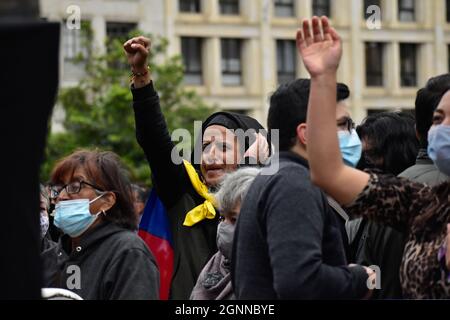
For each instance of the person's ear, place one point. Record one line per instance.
(108, 201)
(302, 135)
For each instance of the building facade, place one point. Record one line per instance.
(237, 52)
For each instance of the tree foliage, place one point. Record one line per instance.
(98, 111)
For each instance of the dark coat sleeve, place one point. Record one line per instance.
(132, 276)
(153, 136)
(298, 250)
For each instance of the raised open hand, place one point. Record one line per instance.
(259, 149)
(321, 51)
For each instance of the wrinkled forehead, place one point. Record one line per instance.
(218, 134)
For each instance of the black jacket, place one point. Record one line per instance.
(193, 246)
(288, 243)
(113, 263)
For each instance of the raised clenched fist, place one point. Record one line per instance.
(137, 50)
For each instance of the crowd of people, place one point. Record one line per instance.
(346, 203)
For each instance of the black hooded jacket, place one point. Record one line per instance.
(110, 263)
(193, 246)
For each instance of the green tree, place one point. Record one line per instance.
(98, 111)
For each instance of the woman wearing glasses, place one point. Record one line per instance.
(99, 256)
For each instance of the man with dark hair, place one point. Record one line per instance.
(427, 100)
(288, 243)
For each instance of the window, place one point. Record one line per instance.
(76, 50)
(448, 10)
(408, 64)
(190, 6)
(321, 8)
(229, 7)
(448, 57)
(286, 61)
(119, 30)
(374, 64)
(75, 41)
(284, 8)
(406, 10)
(231, 62)
(367, 4)
(191, 50)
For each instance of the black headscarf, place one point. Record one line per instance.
(232, 121)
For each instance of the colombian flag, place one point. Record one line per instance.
(154, 229)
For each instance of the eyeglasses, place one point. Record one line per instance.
(346, 123)
(71, 188)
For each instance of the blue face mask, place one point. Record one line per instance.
(439, 147)
(73, 216)
(350, 146)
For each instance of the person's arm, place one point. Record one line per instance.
(448, 249)
(151, 128)
(132, 276)
(321, 54)
(444, 256)
(295, 236)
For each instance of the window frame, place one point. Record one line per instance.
(187, 58)
(375, 74)
(230, 4)
(403, 9)
(282, 71)
(407, 48)
(226, 55)
(195, 6)
(280, 4)
(318, 5)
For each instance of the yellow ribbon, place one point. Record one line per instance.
(204, 211)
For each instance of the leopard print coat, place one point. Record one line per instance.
(399, 203)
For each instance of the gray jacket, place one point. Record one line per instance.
(424, 171)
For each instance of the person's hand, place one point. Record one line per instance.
(321, 51)
(138, 50)
(371, 279)
(259, 149)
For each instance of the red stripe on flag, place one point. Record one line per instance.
(163, 252)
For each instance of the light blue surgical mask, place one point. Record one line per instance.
(73, 216)
(351, 147)
(439, 147)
